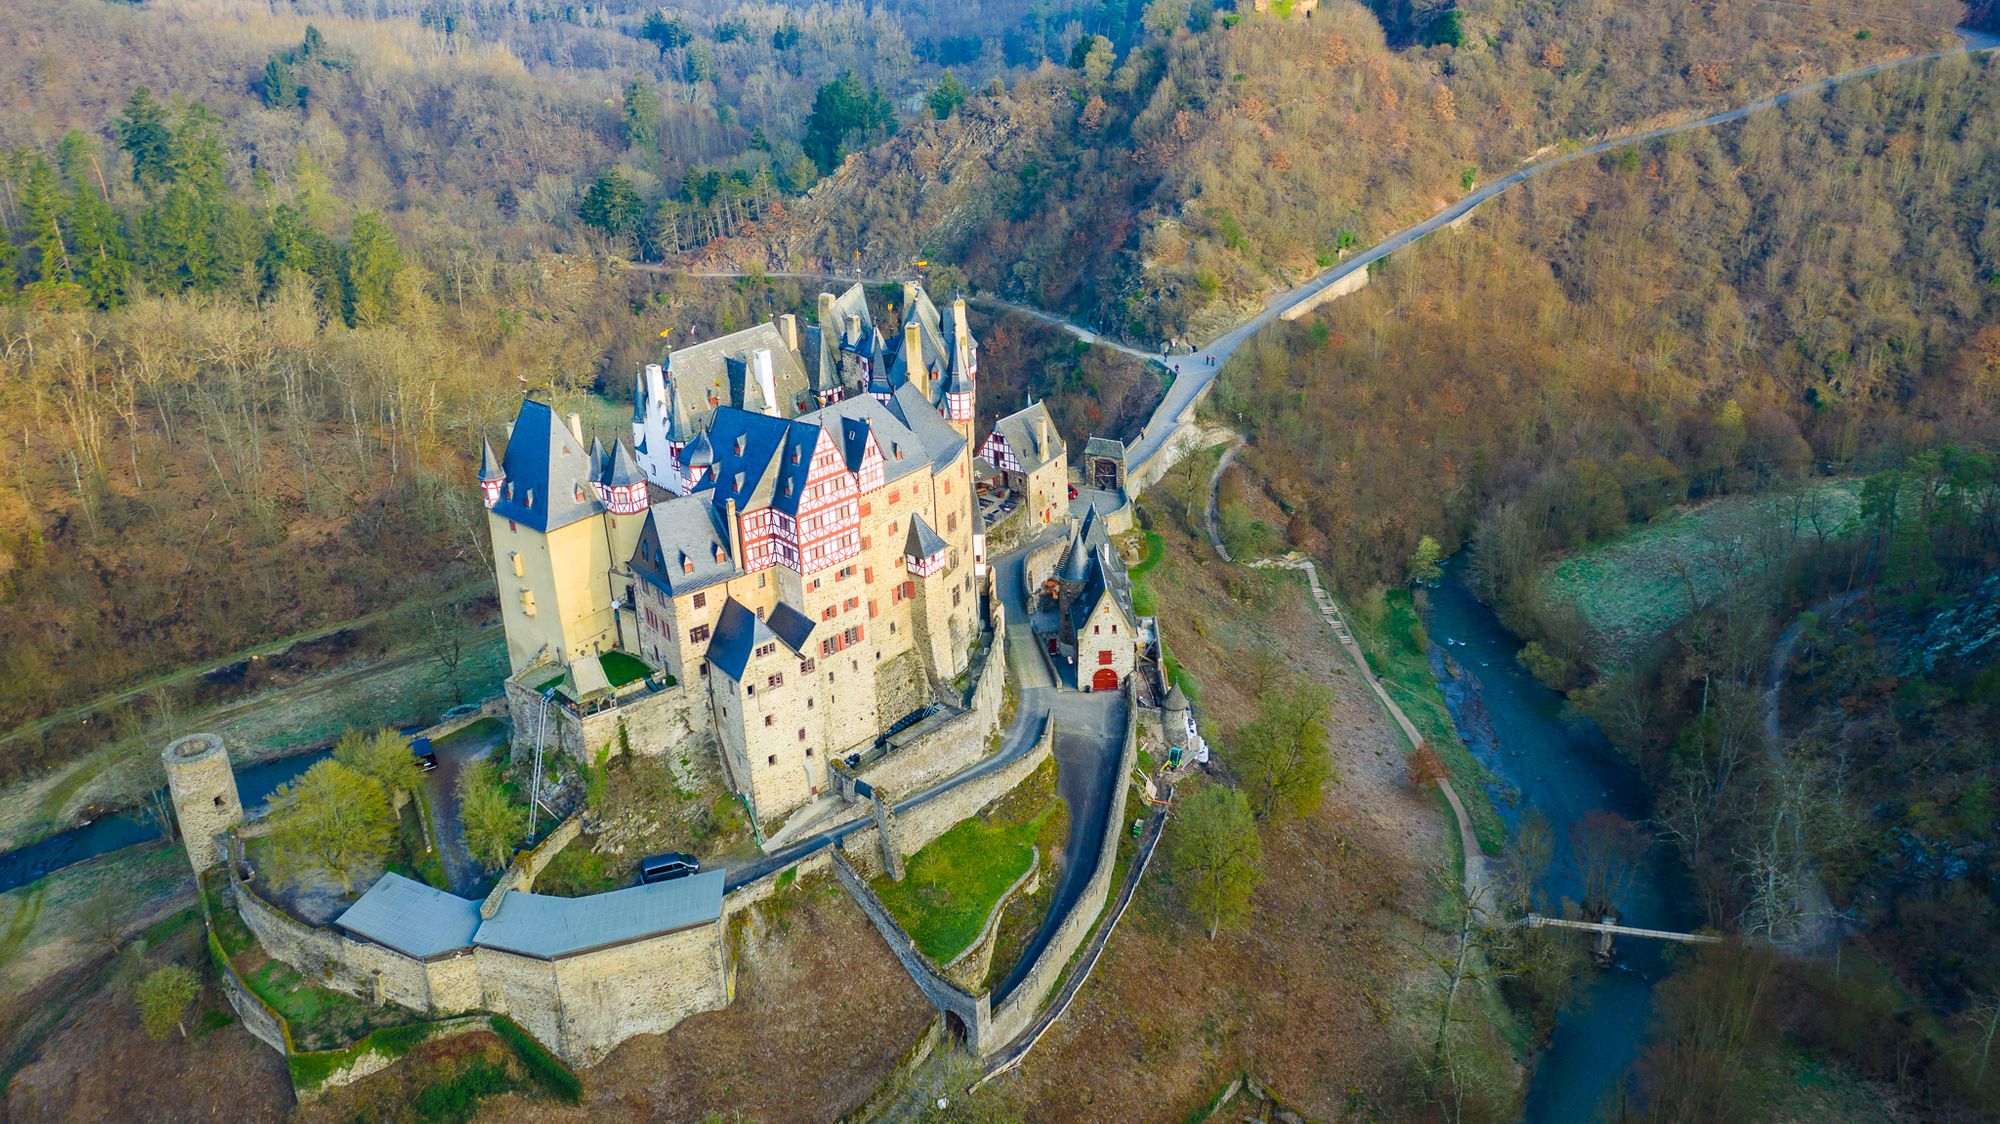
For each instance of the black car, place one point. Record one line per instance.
(664, 868)
(426, 759)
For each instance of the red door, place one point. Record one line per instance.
(1105, 680)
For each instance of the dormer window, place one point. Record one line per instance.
(687, 564)
(795, 454)
(740, 441)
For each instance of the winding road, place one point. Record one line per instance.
(1196, 371)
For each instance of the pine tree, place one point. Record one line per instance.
(99, 254)
(42, 204)
(372, 264)
(611, 204)
(144, 134)
(642, 115)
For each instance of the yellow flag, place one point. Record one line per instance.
(665, 332)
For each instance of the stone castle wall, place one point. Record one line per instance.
(673, 724)
(953, 745)
(580, 1006)
(917, 826)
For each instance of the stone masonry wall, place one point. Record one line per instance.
(332, 960)
(1019, 1010)
(646, 987)
(916, 827)
(673, 724)
(953, 745)
(974, 1012)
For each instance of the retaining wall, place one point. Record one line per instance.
(1018, 1011)
(1352, 283)
(973, 1011)
(953, 745)
(916, 827)
(528, 865)
(674, 724)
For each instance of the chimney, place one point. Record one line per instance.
(913, 356)
(735, 531)
(788, 327)
(576, 427)
(767, 379)
(1042, 434)
(826, 314)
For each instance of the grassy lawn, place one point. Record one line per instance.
(1635, 587)
(950, 887)
(621, 668)
(1144, 601)
(1392, 636)
(409, 858)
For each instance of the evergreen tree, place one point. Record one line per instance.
(197, 157)
(180, 242)
(99, 256)
(843, 112)
(611, 204)
(642, 115)
(663, 33)
(42, 205)
(281, 87)
(946, 96)
(76, 158)
(144, 134)
(372, 264)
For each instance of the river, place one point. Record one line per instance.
(1516, 727)
(123, 829)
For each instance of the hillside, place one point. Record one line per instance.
(1224, 157)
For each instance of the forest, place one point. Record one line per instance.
(1557, 373)
(1164, 189)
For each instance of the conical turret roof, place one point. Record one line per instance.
(624, 471)
(699, 453)
(489, 465)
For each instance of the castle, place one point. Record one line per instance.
(784, 562)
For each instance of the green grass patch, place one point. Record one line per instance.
(1144, 601)
(578, 871)
(1392, 636)
(457, 1097)
(950, 887)
(166, 927)
(548, 1071)
(311, 1069)
(621, 668)
(544, 685)
(1633, 588)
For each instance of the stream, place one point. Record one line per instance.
(116, 830)
(1563, 769)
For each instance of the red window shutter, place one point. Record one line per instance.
(1104, 657)
(867, 573)
(871, 608)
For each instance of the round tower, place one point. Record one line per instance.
(203, 787)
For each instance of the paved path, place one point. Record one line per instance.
(468, 879)
(1090, 729)
(1222, 464)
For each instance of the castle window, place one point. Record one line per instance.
(806, 668)
(765, 650)
(528, 602)
(830, 612)
(892, 528)
(515, 557)
(700, 599)
(851, 604)
(218, 800)
(954, 597)
(768, 720)
(777, 680)
(951, 521)
(1096, 629)
(809, 702)
(871, 609)
(771, 760)
(698, 634)
(802, 737)
(1114, 630)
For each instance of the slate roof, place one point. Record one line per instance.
(738, 633)
(904, 446)
(754, 464)
(1104, 447)
(1104, 580)
(412, 918)
(719, 369)
(1019, 431)
(922, 542)
(791, 626)
(489, 465)
(548, 927)
(935, 434)
(683, 526)
(548, 473)
(621, 470)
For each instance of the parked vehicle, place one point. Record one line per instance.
(665, 868)
(426, 757)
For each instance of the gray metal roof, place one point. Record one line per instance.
(546, 927)
(719, 371)
(1104, 447)
(412, 918)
